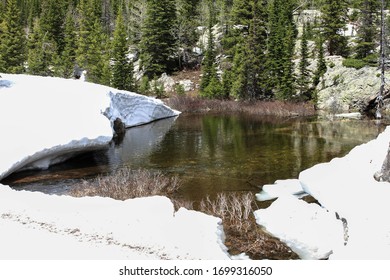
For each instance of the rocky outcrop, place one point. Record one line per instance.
(345, 89)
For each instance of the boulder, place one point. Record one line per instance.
(343, 89)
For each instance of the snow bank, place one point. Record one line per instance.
(38, 226)
(309, 230)
(44, 121)
(345, 186)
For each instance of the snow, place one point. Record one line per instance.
(44, 121)
(345, 186)
(280, 188)
(309, 230)
(39, 226)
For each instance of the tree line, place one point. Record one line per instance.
(256, 58)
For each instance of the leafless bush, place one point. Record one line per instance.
(193, 104)
(126, 183)
(242, 232)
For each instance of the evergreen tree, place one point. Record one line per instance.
(159, 44)
(334, 17)
(250, 60)
(122, 69)
(86, 24)
(41, 52)
(52, 22)
(68, 55)
(304, 73)
(93, 45)
(210, 85)
(12, 40)
(367, 32)
(241, 13)
(321, 63)
(281, 44)
(186, 33)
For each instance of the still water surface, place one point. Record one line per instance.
(213, 153)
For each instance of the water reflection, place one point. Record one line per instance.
(213, 153)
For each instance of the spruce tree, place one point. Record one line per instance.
(186, 33)
(367, 31)
(250, 60)
(93, 45)
(41, 52)
(68, 55)
(52, 22)
(334, 18)
(210, 85)
(321, 63)
(281, 44)
(159, 44)
(122, 69)
(12, 40)
(303, 80)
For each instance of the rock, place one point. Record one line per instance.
(347, 89)
(167, 82)
(188, 85)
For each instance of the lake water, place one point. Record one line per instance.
(213, 153)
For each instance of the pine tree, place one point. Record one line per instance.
(304, 73)
(250, 60)
(321, 63)
(68, 55)
(12, 40)
(41, 52)
(241, 13)
(159, 44)
(122, 69)
(86, 23)
(210, 85)
(52, 22)
(186, 33)
(93, 45)
(281, 44)
(367, 32)
(334, 17)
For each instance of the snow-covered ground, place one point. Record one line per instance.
(46, 120)
(352, 223)
(34, 225)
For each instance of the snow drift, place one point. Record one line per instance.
(44, 121)
(351, 222)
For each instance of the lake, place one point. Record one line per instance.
(212, 153)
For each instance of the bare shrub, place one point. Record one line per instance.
(242, 232)
(126, 183)
(193, 104)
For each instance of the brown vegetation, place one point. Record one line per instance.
(241, 230)
(194, 104)
(236, 211)
(126, 183)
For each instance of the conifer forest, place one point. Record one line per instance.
(244, 49)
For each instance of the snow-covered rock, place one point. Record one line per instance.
(44, 121)
(38, 226)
